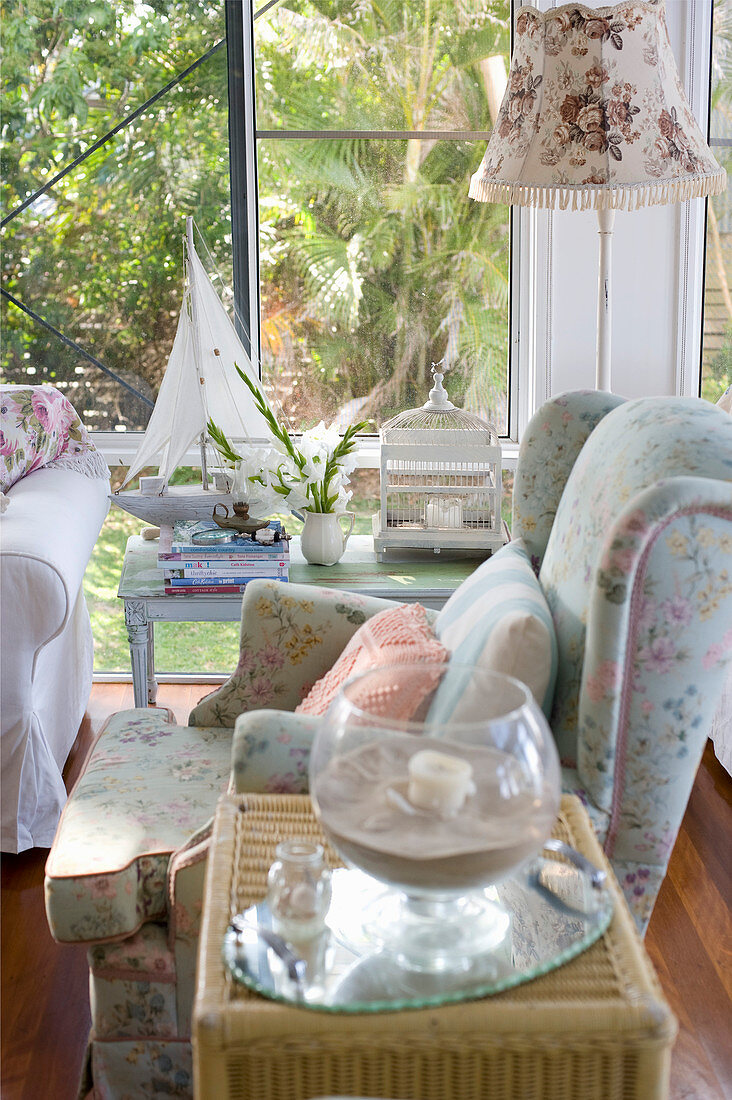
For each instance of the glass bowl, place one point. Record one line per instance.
(439, 781)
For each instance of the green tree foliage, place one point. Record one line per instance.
(100, 255)
(374, 261)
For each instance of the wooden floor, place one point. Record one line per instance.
(45, 1011)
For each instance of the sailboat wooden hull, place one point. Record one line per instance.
(178, 502)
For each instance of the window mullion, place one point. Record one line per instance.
(243, 174)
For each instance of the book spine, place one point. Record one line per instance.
(206, 590)
(229, 565)
(193, 582)
(193, 553)
(231, 579)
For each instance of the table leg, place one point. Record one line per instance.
(139, 637)
(152, 684)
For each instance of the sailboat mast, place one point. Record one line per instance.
(198, 349)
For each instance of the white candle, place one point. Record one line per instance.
(439, 782)
(444, 512)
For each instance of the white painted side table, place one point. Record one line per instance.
(427, 579)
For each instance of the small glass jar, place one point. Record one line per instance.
(299, 889)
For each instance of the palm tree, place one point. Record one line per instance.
(375, 263)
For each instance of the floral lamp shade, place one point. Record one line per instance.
(595, 116)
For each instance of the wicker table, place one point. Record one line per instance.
(595, 1029)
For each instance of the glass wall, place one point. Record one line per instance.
(371, 119)
(717, 340)
(99, 256)
(373, 262)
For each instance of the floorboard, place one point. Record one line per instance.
(44, 991)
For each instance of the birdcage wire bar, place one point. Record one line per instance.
(440, 502)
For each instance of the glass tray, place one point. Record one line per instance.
(553, 911)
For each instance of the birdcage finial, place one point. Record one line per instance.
(438, 393)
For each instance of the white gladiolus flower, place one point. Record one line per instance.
(309, 473)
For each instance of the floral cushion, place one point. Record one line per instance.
(40, 427)
(147, 787)
(400, 635)
(290, 635)
(498, 619)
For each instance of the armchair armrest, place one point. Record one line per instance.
(658, 643)
(185, 883)
(291, 634)
(270, 752)
(53, 519)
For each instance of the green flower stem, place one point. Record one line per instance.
(221, 443)
(317, 492)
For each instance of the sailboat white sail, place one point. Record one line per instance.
(200, 383)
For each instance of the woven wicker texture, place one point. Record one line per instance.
(595, 1029)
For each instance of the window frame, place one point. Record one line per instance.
(532, 335)
(119, 447)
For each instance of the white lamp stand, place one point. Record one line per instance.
(606, 224)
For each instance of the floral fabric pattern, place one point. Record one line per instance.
(290, 636)
(570, 106)
(40, 427)
(271, 752)
(636, 573)
(147, 786)
(186, 876)
(124, 1009)
(554, 437)
(142, 1070)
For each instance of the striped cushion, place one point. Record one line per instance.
(499, 619)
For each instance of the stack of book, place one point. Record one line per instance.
(217, 568)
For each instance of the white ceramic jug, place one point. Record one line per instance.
(323, 540)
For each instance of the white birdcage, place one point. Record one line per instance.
(440, 480)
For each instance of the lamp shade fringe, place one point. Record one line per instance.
(596, 196)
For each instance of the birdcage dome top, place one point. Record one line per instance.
(438, 414)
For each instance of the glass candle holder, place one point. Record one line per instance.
(299, 889)
(438, 807)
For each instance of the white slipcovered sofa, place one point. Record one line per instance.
(48, 529)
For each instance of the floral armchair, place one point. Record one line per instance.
(626, 510)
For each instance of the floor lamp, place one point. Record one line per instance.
(595, 117)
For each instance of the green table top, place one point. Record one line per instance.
(416, 575)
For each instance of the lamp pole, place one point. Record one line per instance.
(606, 223)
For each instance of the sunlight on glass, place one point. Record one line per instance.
(374, 262)
(717, 341)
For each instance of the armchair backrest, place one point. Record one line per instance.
(637, 571)
(651, 468)
(553, 439)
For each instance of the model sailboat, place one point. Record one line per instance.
(200, 383)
